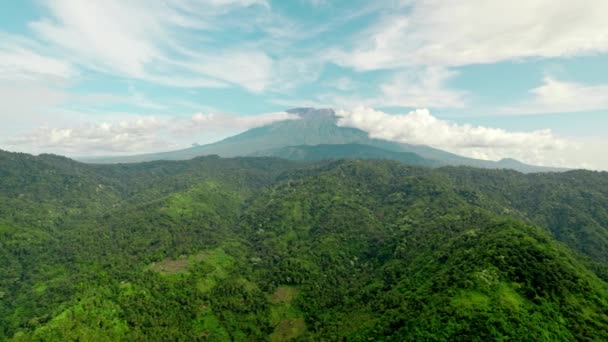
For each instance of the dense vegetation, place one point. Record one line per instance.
(267, 249)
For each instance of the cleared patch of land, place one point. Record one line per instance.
(288, 329)
(170, 266)
(285, 317)
(173, 266)
(284, 294)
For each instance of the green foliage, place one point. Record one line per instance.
(265, 249)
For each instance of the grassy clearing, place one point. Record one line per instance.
(283, 295)
(174, 266)
(215, 260)
(170, 266)
(286, 318)
(288, 330)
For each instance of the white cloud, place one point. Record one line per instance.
(420, 127)
(25, 103)
(290, 72)
(201, 122)
(251, 69)
(104, 137)
(154, 41)
(20, 62)
(426, 88)
(413, 87)
(555, 96)
(137, 134)
(111, 34)
(436, 32)
(587, 153)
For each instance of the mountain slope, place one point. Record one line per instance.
(315, 127)
(347, 151)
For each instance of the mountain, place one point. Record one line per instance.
(345, 151)
(263, 248)
(314, 127)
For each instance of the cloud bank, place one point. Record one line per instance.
(139, 134)
(422, 128)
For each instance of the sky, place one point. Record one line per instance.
(490, 79)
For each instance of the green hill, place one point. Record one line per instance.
(264, 248)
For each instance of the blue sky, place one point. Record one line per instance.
(522, 79)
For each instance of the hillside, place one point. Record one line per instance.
(269, 249)
(316, 127)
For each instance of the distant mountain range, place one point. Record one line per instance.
(317, 136)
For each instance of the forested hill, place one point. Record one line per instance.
(268, 249)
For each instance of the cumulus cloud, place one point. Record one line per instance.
(433, 32)
(422, 128)
(556, 96)
(137, 134)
